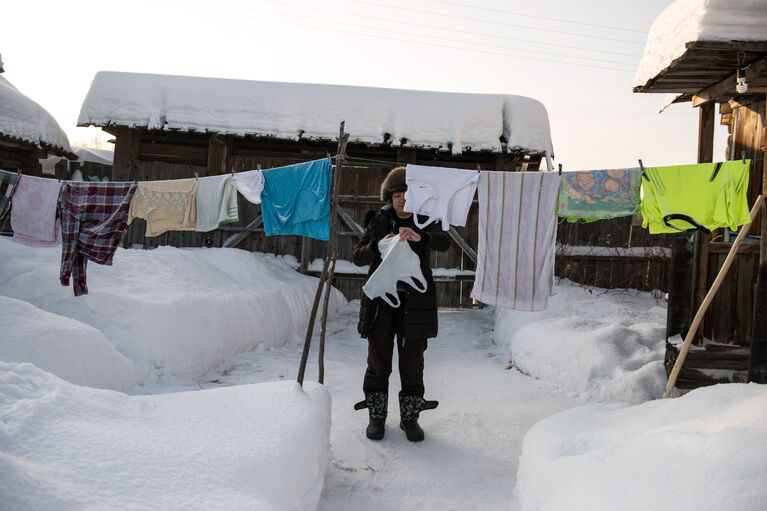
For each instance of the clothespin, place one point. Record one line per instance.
(743, 155)
(641, 166)
(196, 176)
(258, 166)
(560, 169)
(479, 168)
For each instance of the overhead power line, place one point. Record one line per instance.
(458, 31)
(334, 29)
(411, 34)
(492, 22)
(524, 15)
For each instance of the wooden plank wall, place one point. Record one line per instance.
(606, 267)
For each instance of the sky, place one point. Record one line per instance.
(577, 58)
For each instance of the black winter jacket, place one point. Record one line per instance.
(418, 311)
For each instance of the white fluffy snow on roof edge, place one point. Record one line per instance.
(686, 21)
(23, 119)
(313, 111)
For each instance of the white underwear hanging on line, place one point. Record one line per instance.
(250, 184)
(440, 193)
(398, 263)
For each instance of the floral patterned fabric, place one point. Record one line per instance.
(599, 194)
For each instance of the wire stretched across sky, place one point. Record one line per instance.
(335, 24)
(533, 16)
(433, 27)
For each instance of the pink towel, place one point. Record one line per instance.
(33, 211)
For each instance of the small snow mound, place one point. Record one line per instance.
(65, 347)
(601, 346)
(704, 451)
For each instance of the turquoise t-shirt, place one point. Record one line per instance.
(296, 199)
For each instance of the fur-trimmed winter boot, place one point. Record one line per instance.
(377, 407)
(409, 409)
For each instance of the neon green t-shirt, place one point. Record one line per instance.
(687, 197)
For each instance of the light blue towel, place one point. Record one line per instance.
(296, 199)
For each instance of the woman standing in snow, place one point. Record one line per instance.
(412, 323)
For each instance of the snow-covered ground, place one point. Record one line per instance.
(221, 427)
(704, 451)
(600, 345)
(64, 447)
(170, 311)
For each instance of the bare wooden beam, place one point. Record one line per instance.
(462, 243)
(349, 221)
(725, 89)
(235, 239)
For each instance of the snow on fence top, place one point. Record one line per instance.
(312, 111)
(23, 119)
(685, 21)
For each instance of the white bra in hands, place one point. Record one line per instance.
(398, 262)
(440, 193)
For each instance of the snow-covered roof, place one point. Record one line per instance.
(313, 111)
(23, 119)
(685, 21)
(103, 156)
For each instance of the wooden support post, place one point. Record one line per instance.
(306, 253)
(763, 240)
(700, 250)
(218, 155)
(709, 298)
(343, 138)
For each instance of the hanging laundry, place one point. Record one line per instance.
(216, 203)
(166, 205)
(8, 183)
(599, 194)
(33, 211)
(94, 218)
(398, 263)
(517, 235)
(296, 199)
(250, 184)
(441, 193)
(705, 196)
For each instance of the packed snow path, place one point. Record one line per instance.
(473, 440)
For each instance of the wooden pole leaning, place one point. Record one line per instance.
(332, 252)
(758, 204)
(343, 139)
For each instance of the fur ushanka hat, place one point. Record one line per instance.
(394, 182)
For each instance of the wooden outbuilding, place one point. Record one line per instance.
(170, 127)
(28, 133)
(707, 74)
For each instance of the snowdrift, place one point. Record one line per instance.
(169, 310)
(67, 348)
(599, 345)
(255, 447)
(704, 452)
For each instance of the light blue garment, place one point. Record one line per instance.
(296, 199)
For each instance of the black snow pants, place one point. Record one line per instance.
(381, 338)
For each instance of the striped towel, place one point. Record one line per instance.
(517, 234)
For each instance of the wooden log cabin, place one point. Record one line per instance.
(170, 127)
(28, 133)
(706, 73)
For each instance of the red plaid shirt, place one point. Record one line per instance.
(94, 218)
